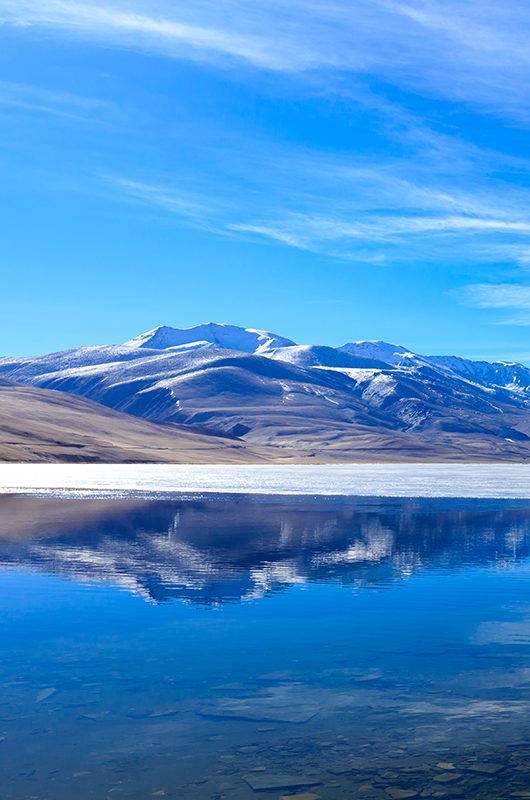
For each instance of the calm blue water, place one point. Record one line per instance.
(254, 648)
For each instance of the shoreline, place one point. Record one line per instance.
(405, 480)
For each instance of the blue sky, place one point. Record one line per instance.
(331, 171)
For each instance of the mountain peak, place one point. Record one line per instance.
(379, 350)
(231, 337)
(369, 400)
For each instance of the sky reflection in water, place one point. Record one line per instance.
(246, 648)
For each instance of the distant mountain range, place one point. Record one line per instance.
(248, 394)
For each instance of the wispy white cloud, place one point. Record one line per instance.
(424, 206)
(424, 194)
(514, 297)
(122, 26)
(475, 52)
(284, 236)
(411, 221)
(498, 295)
(179, 203)
(40, 100)
(384, 228)
(440, 197)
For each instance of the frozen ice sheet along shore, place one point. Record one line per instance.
(510, 481)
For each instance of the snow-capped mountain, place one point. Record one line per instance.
(506, 374)
(379, 351)
(361, 401)
(510, 375)
(245, 340)
(311, 355)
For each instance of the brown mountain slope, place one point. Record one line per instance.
(45, 425)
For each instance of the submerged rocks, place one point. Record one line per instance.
(264, 782)
(44, 694)
(487, 768)
(448, 777)
(258, 713)
(398, 793)
(303, 796)
(288, 704)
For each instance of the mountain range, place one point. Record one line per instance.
(218, 392)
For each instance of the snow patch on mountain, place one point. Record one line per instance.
(310, 355)
(391, 354)
(232, 337)
(508, 375)
(25, 369)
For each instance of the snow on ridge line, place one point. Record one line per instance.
(472, 481)
(249, 340)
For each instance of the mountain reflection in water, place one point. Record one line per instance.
(216, 551)
(243, 648)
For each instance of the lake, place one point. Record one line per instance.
(245, 646)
